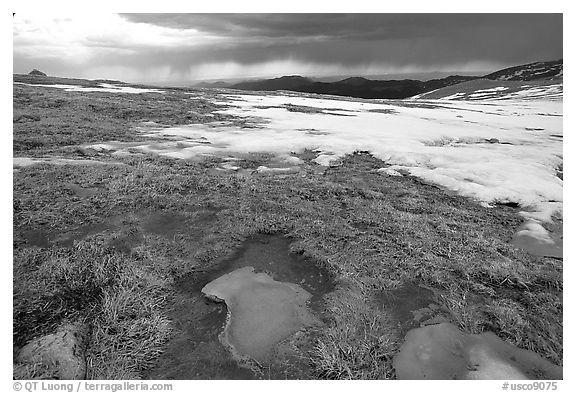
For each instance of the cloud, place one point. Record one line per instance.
(187, 45)
(348, 26)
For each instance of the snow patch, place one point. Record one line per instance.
(326, 159)
(389, 172)
(104, 88)
(523, 170)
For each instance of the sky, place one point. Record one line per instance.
(191, 47)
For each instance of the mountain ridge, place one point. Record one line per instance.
(361, 87)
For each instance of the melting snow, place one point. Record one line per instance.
(454, 96)
(19, 162)
(522, 170)
(520, 166)
(553, 92)
(389, 171)
(499, 88)
(104, 88)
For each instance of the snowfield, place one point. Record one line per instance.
(493, 152)
(504, 146)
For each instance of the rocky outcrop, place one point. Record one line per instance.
(37, 72)
(59, 355)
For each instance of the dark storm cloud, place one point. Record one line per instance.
(351, 26)
(355, 39)
(362, 26)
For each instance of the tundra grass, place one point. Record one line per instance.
(54, 121)
(371, 232)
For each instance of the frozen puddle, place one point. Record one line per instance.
(534, 239)
(268, 296)
(444, 352)
(538, 247)
(261, 311)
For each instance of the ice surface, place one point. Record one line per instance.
(261, 311)
(443, 352)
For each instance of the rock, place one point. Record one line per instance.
(61, 353)
(37, 72)
(442, 351)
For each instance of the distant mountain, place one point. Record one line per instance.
(529, 72)
(352, 87)
(216, 85)
(293, 82)
(37, 72)
(367, 88)
(354, 81)
(541, 80)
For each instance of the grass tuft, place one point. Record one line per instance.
(356, 344)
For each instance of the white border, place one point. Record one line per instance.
(323, 6)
